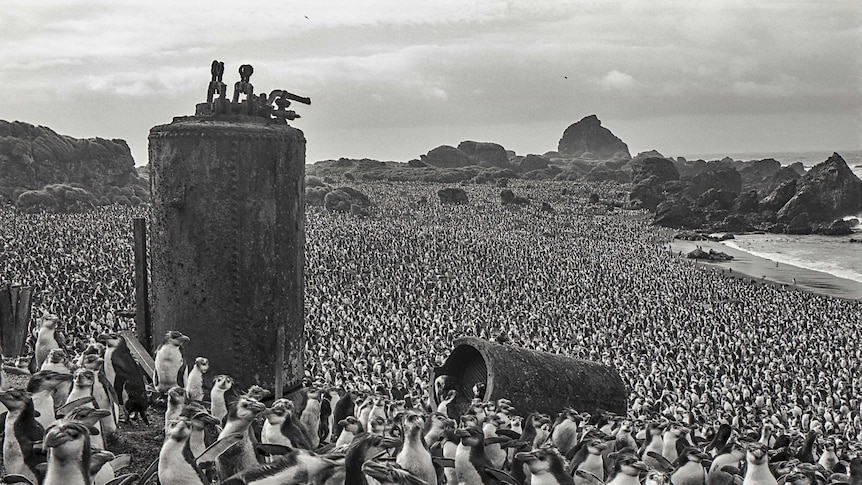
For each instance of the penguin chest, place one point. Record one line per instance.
(110, 372)
(195, 385)
(13, 457)
(564, 435)
(272, 435)
(759, 475)
(689, 474)
(544, 479)
(465, 470)
(43, 403)
(418, 461)
(45, 343)
(168, 361)
(174, 469)
(594, 465)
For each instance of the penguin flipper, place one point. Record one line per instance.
(219, 447)
(509, 434)
(127, 479)
(443, 462)
(15, 478)
(182, 375)
(665, 466)
(272, 449)
(3, 423)
(71, 405)
(121, 461)
(590, 477)
(61, 341)
(501, 476)
(149, 472)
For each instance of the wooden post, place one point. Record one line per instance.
(142, 310)
(22, 316)
(15, 307)
(6, 321)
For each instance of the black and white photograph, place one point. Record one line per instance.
(401, 242)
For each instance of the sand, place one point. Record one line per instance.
(768, 271)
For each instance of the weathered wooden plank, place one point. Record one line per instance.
(24, 306)
(142, 290)
(139, 353)
(6, 320)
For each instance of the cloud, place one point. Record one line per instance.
(618, 81)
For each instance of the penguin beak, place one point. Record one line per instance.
(601, 446)
(56, 437)
(102, 338)
(462, 433)
(525, 456)
(343, 423)
(640, 466)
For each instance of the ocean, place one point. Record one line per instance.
(832, 255)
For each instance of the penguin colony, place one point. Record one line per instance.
(252, 437)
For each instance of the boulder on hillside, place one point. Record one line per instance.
(507, 197)
(677, 214)
(720, 199)
(827, 191)
(838, 227)
(780, 196)
(661, 168)
(747, 202)
(533, 162)
(589, 139)
(342, 198)
(800, 224)
(724, 178)
(485, 154)
(446, 156)
(647, 194)
(648, 154)
(452, 195)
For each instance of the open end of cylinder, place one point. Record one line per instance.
(465, 368)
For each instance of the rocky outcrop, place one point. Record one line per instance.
(677, 214)
(507, 197)
(647, 194)
(661, 168)
(34, 157)
(827, 191)
(588, 139)
(721, 178)
(446, 156)
(346, 199)
(780, 196)
(485, 154)
(533, 162)
(720, 199)
(452, 195)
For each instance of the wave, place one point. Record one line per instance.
(830, 267)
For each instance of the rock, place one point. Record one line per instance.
(446, 156)
(507, 197)
(827, 191)
(648, 154)
(594, 198)
(838, 227)
(712, 255)
(415, 163)
(720, 236)
(32, 157)
(689, 236)
(452, 195)
(724, 178)
(644, 168)
(677, 215)
(780, 196)
(358, 210)
(533, 162)
(647, 194)
(589, 139)
(720, 199)
(746, 202)
(798, 168)
(342, 198)
(733, 223)
(546, 207)
(606, 174)
(800, 224)
(502, 182)
(485, 154)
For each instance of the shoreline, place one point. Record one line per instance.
(748, 266)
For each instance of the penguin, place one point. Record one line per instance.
(170, 365)
(377, 425)
(295, 467)
(435, 426)
(654, 443)
(624, 438)
(103, 391)
(325, 416)
(414, 455)
(472, 466)
(856, 471)
(204, 427)
(176, 402)
(57, 361)
(82, 388)
(360, 450)
(350, 429)
(48, 338)
(378, 408)
(630, 469)
(805, 454)
(21, 431)
(446, 405)
(828, 459)
(195, 384)
(719, 440)
(127, 380)
(546, 467)
(388, 474)
(310, 418)
(589, 459)
(565, 433)
(41, 387)
(757, 466)
(733, 455)
(69, 454)
(241, 456)
(218, 401)
(690, 470)
(344, 407)
(672, 439)
(281, 428)
(177, 465)
(363, 411)
(496, 454)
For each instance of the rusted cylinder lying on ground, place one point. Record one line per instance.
(227, 242)
(533, 381)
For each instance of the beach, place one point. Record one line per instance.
(759, 268)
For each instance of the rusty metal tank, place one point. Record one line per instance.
(533, 381)
(227, 236)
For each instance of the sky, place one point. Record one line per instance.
(392, 79)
